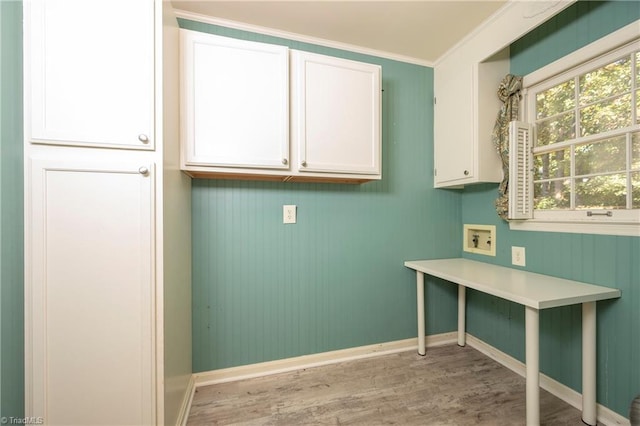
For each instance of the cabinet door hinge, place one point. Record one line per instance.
(435, 172)
(435, 100)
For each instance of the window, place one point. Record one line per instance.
(586, 144)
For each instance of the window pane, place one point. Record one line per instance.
(602, 192)
(558, 99)
(635, 150)
(610, 80)
(604, 156)
(607, 115)
(551, 195)
(635, 189)
(638, 104)
(552, 165)
(637, 69)
(557, 129)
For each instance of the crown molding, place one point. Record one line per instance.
(528, 14)
(298, 37)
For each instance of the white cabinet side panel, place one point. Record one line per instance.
(91, 293)
(173, 241)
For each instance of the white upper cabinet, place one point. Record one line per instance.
(264, 112)
(453, 136)
(91, 68)
(235, 106)
(466, 109)
(466, 81)
(336, 114)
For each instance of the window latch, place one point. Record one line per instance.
(607, 213)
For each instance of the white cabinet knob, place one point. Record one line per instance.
(143, 138)
(143, 171)
(303, 164)
(284, 161)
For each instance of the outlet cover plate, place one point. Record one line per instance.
(289, 214)
(518, 256)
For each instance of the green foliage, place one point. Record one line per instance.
(604, 156)
(611, 80)
(593, 103)
(605, 191)
(607, 115)
(558, 99)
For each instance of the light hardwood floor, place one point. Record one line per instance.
(449, 386)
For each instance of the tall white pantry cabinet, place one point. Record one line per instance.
(107, 215)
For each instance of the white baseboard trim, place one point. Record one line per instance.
(316, 360)
(565, 393)
(186, 402)
(571, 397)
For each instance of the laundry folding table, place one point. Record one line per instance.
(535, 292)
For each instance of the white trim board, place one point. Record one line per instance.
(316, 360)
(607, 43)
(513, 20)
(600, 228)
(298, 37)
(568, 395)
(185, 408)
(557, 389)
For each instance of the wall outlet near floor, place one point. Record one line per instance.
(288, 214)
(479, 239)
(518, 256)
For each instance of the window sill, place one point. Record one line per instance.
(577, 227)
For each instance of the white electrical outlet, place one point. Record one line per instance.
(288, 214)
(518, 256)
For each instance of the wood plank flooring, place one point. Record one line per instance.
(449, 386)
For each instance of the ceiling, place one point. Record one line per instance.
(418, 31)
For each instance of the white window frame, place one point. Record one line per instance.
(623, 222)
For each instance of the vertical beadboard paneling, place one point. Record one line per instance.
(264, 290)
(578, 25)
(11, 213)
(600, 259)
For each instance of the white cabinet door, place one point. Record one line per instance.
(90, 71)
(465, 113)
(336, 114)
(453, 127)
(89, 293)
(235, 105)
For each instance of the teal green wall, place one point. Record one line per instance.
(605, 260)
(263, 290)
(11, 212)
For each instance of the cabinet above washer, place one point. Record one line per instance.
(466, 82)
(263, 112)
(235, 102)
(465, 112)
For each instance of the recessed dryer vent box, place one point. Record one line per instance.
(479, 239)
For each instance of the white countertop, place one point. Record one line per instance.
(527, 288)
